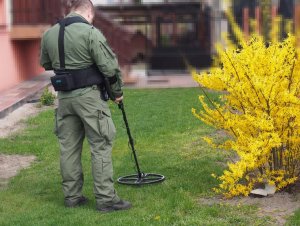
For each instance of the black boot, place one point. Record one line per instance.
(121, 205)
(79, 202)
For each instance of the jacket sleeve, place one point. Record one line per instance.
(106, 60)
(45, 61)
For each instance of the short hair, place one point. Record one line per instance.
(72, 5)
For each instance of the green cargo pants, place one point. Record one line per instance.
(77, 117)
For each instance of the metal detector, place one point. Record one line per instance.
(140, 178)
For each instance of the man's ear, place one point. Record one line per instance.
(91, 16)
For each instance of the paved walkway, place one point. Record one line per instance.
(164, 81)
(25, 92)
(18, 95)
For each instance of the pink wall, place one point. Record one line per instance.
(8, 70)
(19, 60)
(2, 12)
(26, 57)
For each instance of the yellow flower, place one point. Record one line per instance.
(157, 218)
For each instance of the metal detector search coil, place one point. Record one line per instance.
(139, 178)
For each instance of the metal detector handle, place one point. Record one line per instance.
(121, 107)
(131, 142)
(139, 178)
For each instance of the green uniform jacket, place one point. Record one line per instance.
(84, 46)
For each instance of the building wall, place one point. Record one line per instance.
(2, 12)
(19, 60)
(8, 70)
(107, 2)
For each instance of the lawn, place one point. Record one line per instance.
(168, 140)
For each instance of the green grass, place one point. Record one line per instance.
(295, 219)
(168, 142)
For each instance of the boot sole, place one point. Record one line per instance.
(109, 210)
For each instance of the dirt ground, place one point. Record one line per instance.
(278, 207)
(10, 165)
(13, 123)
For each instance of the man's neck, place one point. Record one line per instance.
(84, 15)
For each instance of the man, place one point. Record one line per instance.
(81, 112)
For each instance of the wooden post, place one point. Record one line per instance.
(266, 18)
(258, 19)
(297, 21)
(174, 30)
(274, 11)
(246, 21)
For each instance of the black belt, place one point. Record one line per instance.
(67, 80)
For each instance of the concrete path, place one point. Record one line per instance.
(164, 81)
(22, 93)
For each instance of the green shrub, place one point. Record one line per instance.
(47, 97)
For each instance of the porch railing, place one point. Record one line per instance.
(119, 38)
(35, 12)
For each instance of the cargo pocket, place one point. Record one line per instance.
(107, 166)
(106, 126)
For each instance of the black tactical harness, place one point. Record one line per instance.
(67, 79)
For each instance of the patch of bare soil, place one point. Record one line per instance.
(278, 207)
(10, 165)
(13, 123)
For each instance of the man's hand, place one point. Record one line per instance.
(119, 99)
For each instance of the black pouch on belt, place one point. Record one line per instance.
(62, 81)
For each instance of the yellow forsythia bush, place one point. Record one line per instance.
(260, 110)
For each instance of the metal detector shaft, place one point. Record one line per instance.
(131, 142)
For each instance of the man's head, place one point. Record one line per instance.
(83, 7)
